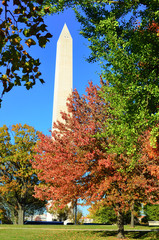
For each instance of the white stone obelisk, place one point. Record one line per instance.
(63, 84)
(63, 73)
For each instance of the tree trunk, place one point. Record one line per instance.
(75, 212)
(20, 215)
(132, 216)
(14, 220)
(14, 216)
(120, 222)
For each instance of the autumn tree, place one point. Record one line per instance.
(87, 119)
(76, 162)
(21, 26)
(17, 177)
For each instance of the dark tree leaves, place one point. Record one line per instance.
(21, 27)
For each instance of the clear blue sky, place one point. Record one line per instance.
(34, 107)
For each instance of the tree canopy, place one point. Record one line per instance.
(72, 140)
(17, 177)
(125, 39)
(76, 162)
(21, 27)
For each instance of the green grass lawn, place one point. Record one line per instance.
(72, 232)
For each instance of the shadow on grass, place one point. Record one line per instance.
(130, 235)
(104, 234)
(143, 235)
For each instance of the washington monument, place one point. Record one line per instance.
(63, 73)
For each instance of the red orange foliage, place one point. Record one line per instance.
(154, 27)
(75, 162)
(150, 157)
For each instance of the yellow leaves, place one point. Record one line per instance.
(19, 177)
(4, 2)
(16, 41)
(47, 9)
(4, 78)
(29, 42)
(25, 53)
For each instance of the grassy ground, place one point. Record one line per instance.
(55, 232)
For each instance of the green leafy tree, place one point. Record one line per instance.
(124, 37)
(17, 177)
(21, 27)
(106, 214)
(152, 212)
(102, 214)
